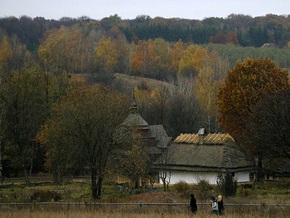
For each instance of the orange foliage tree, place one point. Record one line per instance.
(246, 84)
(151, 58)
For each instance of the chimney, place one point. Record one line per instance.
(201, 135)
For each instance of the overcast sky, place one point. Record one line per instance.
(129, 9)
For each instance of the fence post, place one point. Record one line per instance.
(32, 207)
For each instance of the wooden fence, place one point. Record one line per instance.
(136, 205)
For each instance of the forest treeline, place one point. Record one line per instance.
(234, 38)
(235, 29)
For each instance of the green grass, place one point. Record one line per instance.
(268, 192)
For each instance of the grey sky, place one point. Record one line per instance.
(129, 9)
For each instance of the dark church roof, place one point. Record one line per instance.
(158, 132)
(154, 136)
(134, 118)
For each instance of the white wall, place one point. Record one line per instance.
(242, 176)
(211, 177)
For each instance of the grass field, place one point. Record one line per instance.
(268, 199)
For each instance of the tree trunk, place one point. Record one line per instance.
(26, 175)
(31, 166)
(94, 183)
(164, 185)
(167, 186)
(99, 187)
(57, 174)
(260, 168)
(136, 184)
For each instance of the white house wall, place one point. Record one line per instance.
(196, 177)
(242, 176)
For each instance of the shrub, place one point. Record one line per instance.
(204, 185)
(205, 189)
(45, 196)
(227, 184)
(182, 187)
(246, 192)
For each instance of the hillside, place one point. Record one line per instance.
(129, 82)
(126, 83)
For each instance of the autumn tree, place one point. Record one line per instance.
(5, 53)
(246, 84)
(224, 38)
(24, 110)
(158, 100)
(183, 113)
(193, 59)
(175, 55)
(62, 50)
(207, 83)
(208, 70)
(142, 94)
(151, 58)
(206, 92)
(271, 127)
(153, 102)
(80, 132)
(123, 55)
(130, 159)
(13, 54)
(137, 62)
(158, 58)
(111, 56)
(106, 56)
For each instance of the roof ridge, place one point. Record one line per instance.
(210, 138)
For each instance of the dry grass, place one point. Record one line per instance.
(136, 211)
(140, 213)
(129, 82)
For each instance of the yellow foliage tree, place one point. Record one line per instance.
(138, 59)
(106, 55)
(61, 50)
(5, 53)
(193, 60)
(175, 56)
(206, 91)
(211, 73)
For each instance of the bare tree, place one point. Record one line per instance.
(164, 169)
